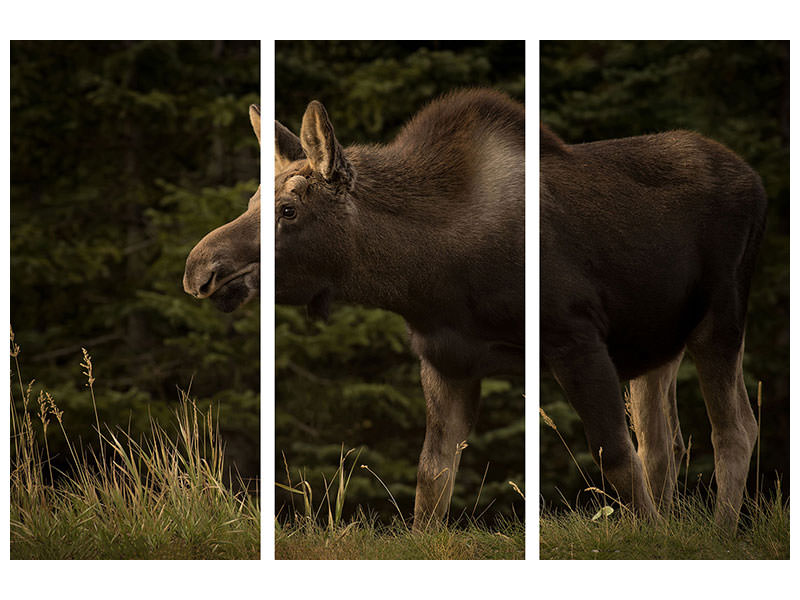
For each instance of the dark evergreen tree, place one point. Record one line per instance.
(123, 155)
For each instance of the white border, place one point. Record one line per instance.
(267, 306)
(532, 299)
(5, 299)
(412, 19)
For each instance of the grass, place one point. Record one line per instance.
(155, 497)
(687, 532)
(319, 532)
(363, 539)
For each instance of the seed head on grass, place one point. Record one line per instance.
(27, 395)
(46, 406)
(44, 411)
(87, 364)
(450, 483)
(15, 354)
(547, 420)
(14, 346)
(53, 408)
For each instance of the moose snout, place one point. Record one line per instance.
(192, 285)
(206, 273)
(199, 280)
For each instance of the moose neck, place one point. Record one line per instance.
(401, 206)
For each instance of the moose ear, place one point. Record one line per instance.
(323, 151)
(287, 148)
(255, 121)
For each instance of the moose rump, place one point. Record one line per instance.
(648, 245)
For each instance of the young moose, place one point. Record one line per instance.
(648, 245)
(430, 226)
(225, 266)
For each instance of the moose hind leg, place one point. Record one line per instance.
(654, 412)
(590, 382)
(452, 407)
(733, 425)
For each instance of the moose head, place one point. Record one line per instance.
(225, 265)
(313, 235)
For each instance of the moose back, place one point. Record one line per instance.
(430, 226)
(648, 245)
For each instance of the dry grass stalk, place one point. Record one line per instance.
(549, 422)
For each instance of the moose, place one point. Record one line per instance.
(225, 266)
(430, 226)
(647, 246)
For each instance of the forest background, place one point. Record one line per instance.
(123, 156)
(736, 93)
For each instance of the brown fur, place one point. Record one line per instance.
(648, 245)
(225, 266)
(430, 226)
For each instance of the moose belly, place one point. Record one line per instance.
(459, 355)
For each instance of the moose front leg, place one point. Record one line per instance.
(590, 382)
(452, 406)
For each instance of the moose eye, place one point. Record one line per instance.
(288, 212)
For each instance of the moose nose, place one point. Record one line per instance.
(206, 286)
(192, 285)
